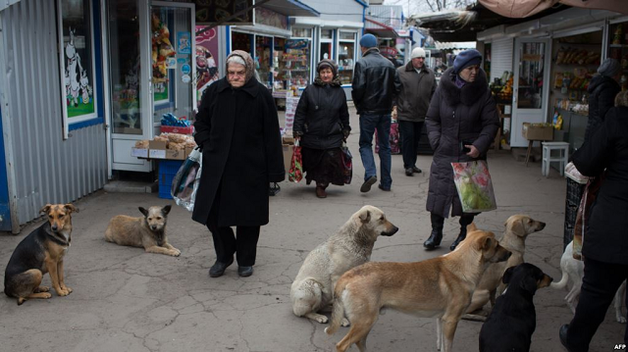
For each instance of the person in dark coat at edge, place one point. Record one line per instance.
(321, 124)
(462, 115)
(417, 88)
(602, 91)
(375, 84)
(606, 240)
(238, 130)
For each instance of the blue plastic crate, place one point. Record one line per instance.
(170, 166)
(167, 171)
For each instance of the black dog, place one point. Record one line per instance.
(512, 321)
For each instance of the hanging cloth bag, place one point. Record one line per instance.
(347, 163)
(296, 164)
(474, 186)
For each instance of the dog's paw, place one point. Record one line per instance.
(322, 319)
(42, 289)
(620, 319)
(345, 322)
(46, 295)
(62, 292)
(67, 289)
(175, 252)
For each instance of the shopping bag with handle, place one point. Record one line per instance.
(296, 164)
(185, 182)
(474, 186)
(347, 163)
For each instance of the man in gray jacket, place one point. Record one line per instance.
(417, 87)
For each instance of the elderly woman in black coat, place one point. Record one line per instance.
(238, 130)
(321, 124)
(606, 239)
(461, 123)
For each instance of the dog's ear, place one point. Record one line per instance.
(144, 211)
(517, 227)
(508, 275)
(471, 227)
(71, 208)
(365, 216)
(165, 210)
(488, 241)
(46, 208)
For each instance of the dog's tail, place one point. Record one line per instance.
(338, 310)
(337, 313)
(562, 283)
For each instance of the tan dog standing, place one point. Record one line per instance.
(41, 252)
(518, 227)
(148, 232)
(439, 288)
(313, 288)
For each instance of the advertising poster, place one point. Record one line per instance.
(206, 60)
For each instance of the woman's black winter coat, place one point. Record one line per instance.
(457, 115)
(322, 116)
(238, 130)
(606, 237)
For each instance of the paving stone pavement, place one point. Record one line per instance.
(128, 300)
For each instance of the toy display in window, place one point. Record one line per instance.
(161, 50)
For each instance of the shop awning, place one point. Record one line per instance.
(291, 8)
(463, 25)
(6, 3)
(380, 29)
(526, 8)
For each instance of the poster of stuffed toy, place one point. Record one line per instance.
(162, 50)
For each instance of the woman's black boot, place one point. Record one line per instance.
(464, 221)
(437, 232)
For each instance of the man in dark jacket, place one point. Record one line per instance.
(605, 241)
(375, 84)
(602, 91)
(417, 87)
(238, 130)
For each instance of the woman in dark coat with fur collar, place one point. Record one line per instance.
(462, 113)
(238, 130)
(321, 124)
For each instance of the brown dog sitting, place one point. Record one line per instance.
(39, 253)
(148, 231)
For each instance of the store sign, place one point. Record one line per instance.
(224, 12)
(388, 51)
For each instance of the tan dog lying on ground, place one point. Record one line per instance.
(41, 252)
(518, 227)
(148, 231)
(439, 288)
(352, 245)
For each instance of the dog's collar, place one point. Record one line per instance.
(56, 238)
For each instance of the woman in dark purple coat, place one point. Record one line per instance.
(238, 130)
(461, 124)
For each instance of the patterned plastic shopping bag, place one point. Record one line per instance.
(296, 164)
(474, 186)
(347, 163)
(185, 182)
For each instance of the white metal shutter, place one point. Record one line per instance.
(501, 57)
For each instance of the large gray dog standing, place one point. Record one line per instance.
(351, 246)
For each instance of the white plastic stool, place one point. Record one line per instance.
(561, 159)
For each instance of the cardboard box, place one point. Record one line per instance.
(139, 152)
(157, 150)
(177, 129)
(537, 133)
(287, 156)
